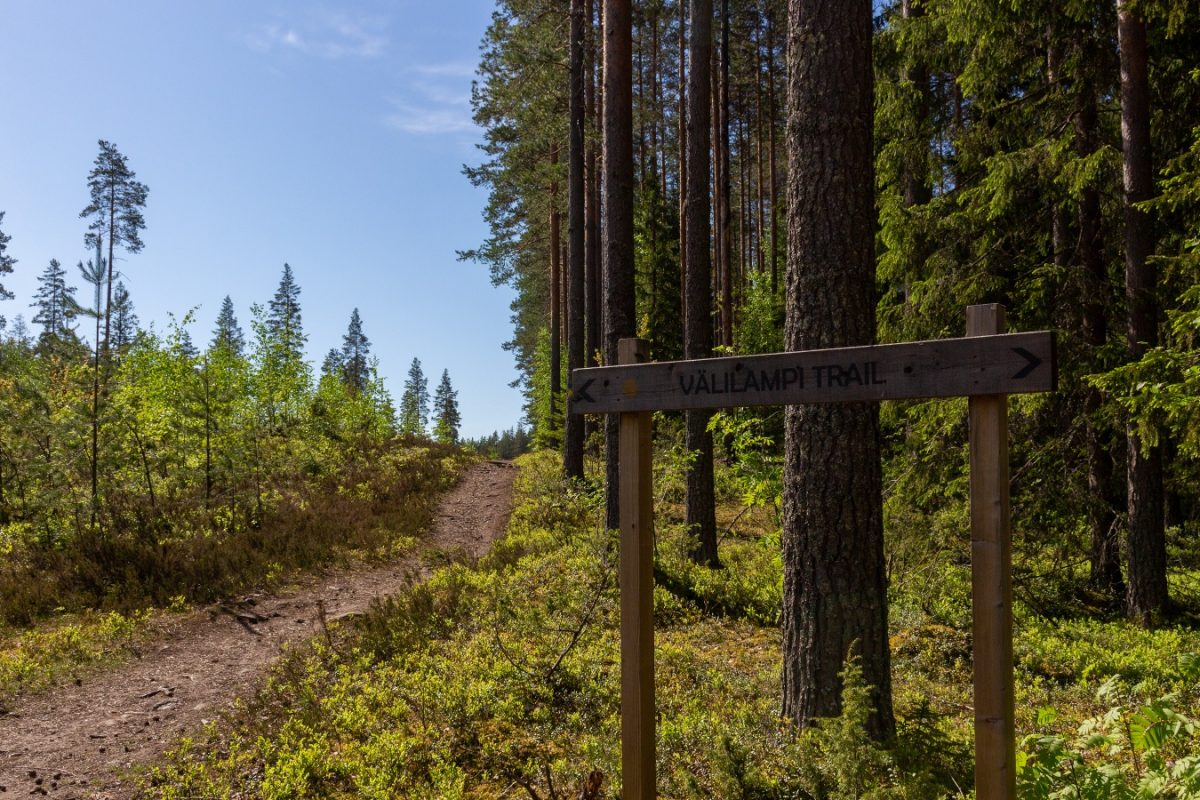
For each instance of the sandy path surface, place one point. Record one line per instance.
(75, 741)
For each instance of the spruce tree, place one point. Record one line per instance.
(186, 346)
(332, 365)
(117, 200)
(228, 334)
(283, 317)
(356, 349)
(6, 264)
(445, 411)
(54, 301)
(414, 405)
(124, 321)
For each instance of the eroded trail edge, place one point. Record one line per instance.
(77, 741)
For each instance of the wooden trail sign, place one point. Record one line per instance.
(986, 366)
(1004, 364)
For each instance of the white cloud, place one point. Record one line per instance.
(324, 34)
(429, 120)
(451, 69)
(437, 100)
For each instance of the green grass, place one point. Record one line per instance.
(67, 648)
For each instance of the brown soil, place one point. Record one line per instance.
(80, 741)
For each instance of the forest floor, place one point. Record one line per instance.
(80, 741)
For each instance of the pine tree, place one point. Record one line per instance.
(55, 302)
(698, 323)
(1147, 594)
(834, 584)
(414, 405)
(283, 318)
(124, 321)
(7, 262)
(356, 349)
(445, 411)
(117, 200)
(93, 272)
(228, 334)
(620, 304)
(576, 354)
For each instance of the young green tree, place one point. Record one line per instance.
(355, 356)
(228, 333)
(117, 200)
(414, 403)
(282, 377)
(445, 411)
(93, 272)
(55, 302)
(6, 264)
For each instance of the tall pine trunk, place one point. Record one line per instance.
(573, 444)
(555, 301)
(759, 134)
(681, 113)
(724, 210)
(591, 264)
(835, 591)
(1102, 490)
(700, 511)
(775, 248)
(1146, 596)
(619, 303)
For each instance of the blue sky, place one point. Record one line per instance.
(327, 135)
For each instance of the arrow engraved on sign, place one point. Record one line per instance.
(1034, 362)
(581, 394)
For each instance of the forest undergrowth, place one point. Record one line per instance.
(500, 679)
(72, 603)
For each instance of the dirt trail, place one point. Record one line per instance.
(75, 742)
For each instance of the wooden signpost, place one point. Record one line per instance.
(986, 366)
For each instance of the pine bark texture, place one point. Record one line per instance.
(619, 311)
(591, 265)
(1146, 595)
(573, 444)
(698, 328)
(835, 592)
